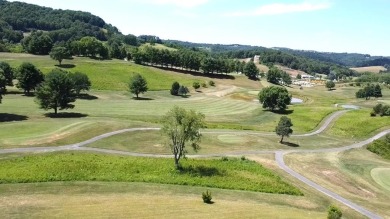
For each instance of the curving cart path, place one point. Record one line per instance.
(279, 155)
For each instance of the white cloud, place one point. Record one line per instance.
(283, 8)
(180, 3)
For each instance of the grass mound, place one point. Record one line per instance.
(231, 174)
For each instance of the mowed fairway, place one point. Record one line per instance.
(382, 177)
(140, 200)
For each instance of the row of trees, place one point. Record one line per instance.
(29, 78)
(370, 90)
(192, 61)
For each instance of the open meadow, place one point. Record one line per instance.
(89, 184)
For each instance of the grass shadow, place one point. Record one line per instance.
(201, 171)
(14, 92)
(290, 144)
(197, 73)
(66, 66)
(281, 112)
(66, 115)
(186, 96)
(143, 98)
(6, 117)
(87, 97)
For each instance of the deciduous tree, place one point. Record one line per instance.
(274, 98)
(330, 85)
(251, 70)
(59, 54)
(182, 127)
(284, 128)
(138, 85)
(81, 82)
(28, 77)
(56, 92)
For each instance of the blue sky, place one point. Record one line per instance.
(361, 26)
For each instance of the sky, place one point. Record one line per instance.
(361, 26)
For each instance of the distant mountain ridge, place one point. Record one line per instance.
(346, 59)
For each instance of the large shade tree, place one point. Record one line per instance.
(182, 127)
(28, 77)
(56, 92)
(251, 70)
(59, 54)
(275, 98)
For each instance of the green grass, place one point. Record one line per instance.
(233, 174)
(107, 74)
(358, 124)
(382, 177)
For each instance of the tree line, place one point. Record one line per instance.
(192, 60)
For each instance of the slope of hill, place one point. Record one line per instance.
(346, 59)
(62, 25)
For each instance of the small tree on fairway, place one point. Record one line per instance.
(182, 127)
(330, 85)
(284, 127)
(196, 85)
(138, 85)
(274, 97)
(299, 76)
(56, 92)
(175, 88)
(183, 91)
(81, 82)
(59, 54)
(28, 77)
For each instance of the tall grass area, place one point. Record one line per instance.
(381, 147)
(225, 174)
(358, 124)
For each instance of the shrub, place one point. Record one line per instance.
(351, 84)
(206, 196)
(225, 159)
(372, 114)
(183, 91)
(175, 88)
(212, 83)
(243, 158)
(196, 85)
(204, 85)
(334, 213)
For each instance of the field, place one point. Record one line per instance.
(373, 69)
(90, 184)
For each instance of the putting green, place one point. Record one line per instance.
(231, 139)
(382, 177)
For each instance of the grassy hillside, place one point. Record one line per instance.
(104, 75)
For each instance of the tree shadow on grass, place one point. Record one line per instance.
(66, 66)
(290, 144)
(87, 97)
(6, 117)
(66, 115)
(281, 112)
(201, 171)
(143, 98)
(196, 73)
